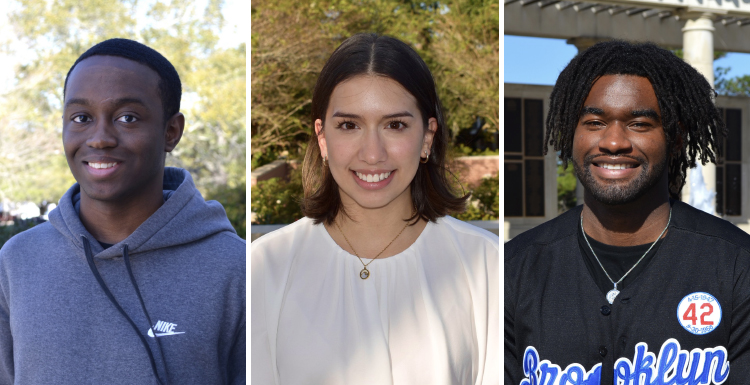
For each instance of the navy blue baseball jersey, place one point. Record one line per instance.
(684, 319)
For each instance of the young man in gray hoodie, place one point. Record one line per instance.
(135, 279)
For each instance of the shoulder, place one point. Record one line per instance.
(29, 240)
(694, 222)
(465, 233)
(283, 238)
(278, 249)
(562, 226)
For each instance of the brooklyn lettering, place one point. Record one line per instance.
(672, 366)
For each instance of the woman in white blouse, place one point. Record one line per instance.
(376, 285)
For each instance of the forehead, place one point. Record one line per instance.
(112, 74)
(370, 94)
(622, 91)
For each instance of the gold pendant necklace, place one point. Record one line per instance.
(364, 273)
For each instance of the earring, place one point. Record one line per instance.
(426, 158)
(325, 160)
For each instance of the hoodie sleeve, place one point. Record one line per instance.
(6, 339)
(238, 359)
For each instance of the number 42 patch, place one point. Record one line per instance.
(699, 313)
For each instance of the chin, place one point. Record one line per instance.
(374, 199)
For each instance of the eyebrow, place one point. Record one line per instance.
(116, 102)
(591, 111)
(646, 112)
(389, 116)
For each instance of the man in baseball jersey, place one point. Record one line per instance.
(633, 286)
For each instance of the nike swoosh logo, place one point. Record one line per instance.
(151, 333)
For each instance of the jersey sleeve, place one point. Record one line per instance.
(512, 362)
(739, 339)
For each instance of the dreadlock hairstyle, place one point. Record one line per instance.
(690, 119)
(170, 87)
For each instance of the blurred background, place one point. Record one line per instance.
(40, 40)
(292, 39)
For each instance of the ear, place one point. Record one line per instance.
(173, 132)
(321, 138)
(429, 134)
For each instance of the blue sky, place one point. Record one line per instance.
(532, 60)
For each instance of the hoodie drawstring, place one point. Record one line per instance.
(95, 271)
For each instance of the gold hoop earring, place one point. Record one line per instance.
(426, 158)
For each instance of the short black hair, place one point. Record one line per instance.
(377, 55)
(690, 119)
(170, 87)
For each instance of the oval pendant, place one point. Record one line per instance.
(364, 274)
(611, 295)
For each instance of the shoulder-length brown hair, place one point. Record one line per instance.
(371, 54)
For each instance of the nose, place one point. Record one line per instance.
(615, 139)
(372, 149)
(102, 135)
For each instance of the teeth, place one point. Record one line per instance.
(373, 177)
(616, 166)
(102, 165)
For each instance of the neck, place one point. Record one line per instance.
(111, 222)
(635, 223)
(370, 230)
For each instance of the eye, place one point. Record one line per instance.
(127, 119)
(81, 119)
(397, 125)
(346, 125)
(594, 123)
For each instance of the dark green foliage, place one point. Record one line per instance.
(276, 201)
(485, 201)
(566, 188)
(233, 199)
(6, 232)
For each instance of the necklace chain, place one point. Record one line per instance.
(614, 292)
(364, 274)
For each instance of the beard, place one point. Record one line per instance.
(619, 192)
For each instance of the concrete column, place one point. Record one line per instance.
(698, 51)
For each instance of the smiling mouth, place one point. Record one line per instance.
(102, 165)
(373, 177)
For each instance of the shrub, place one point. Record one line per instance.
(566, 189)
(276, 201)
(484, 204)
(234, 202)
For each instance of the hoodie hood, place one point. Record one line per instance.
(172, 224)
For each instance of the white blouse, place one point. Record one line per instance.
(428, 315)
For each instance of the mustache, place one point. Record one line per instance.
(590, 158)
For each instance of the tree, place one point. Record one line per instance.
(32, 163)
(292, 39)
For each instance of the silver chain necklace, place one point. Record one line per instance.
(612, 294)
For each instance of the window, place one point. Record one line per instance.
(524, 160)
(729, 165)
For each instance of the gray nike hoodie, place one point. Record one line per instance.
(58, 326)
